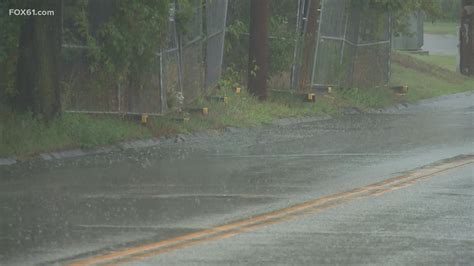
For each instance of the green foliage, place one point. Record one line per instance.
(224, 84)
(451, 10)
(401, 10)
(9, 31)
(281, 45)
(281, 32)
(231, 77)
(121, 48)
(9, 36)
(236, 50)
(183, 15)
(126, 44)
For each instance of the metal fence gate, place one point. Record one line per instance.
(353, 46)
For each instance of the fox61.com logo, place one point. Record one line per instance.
(30, 12)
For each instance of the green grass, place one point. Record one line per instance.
(423, 86)
(25, 135)
(366, 98)
(445, 28)
(242, 110)
(426, 76)
(445, 61)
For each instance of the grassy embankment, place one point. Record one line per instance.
(445, 61)
(426, 76)
(440, 27)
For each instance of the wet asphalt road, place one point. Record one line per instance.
(52, 211)
(441, 44)
(430, 223)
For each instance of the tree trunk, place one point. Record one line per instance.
(258, 49)
(38, 70)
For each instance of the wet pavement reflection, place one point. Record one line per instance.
(51, 210)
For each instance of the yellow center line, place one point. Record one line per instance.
(253, 223)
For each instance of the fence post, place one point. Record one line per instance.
(315, 18)
(162, 89)
(258, 48)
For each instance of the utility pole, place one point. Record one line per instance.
(466, 42)
(309, 46)
(258, 48)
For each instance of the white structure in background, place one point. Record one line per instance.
(412, 40)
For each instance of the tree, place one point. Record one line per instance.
(401, 10)
(122, 38)
(258, 48)
(38, 68)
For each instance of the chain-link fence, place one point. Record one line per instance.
(283, 37)
(312, 43)
(216, 16)
(316, 43)
(353, 45)
(183, 67)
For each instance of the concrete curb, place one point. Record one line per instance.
(181, 138)
(74, 153)
(8, 161)
(148, 143)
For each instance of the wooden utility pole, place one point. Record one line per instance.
(466, 36)
(38, 69)
(258, 48)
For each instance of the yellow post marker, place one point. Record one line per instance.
(329, 89)
(400, 90)
(205, 111)
(238, 90)
(144, 118)
(311, 97)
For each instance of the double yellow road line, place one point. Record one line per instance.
(250, 224)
